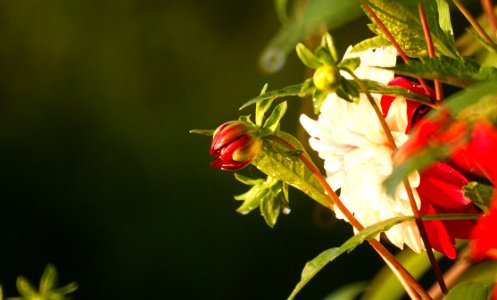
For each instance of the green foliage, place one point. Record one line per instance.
(402, 20)
(348, 292)
(271, 195)
(47, 288)
(315, 15)
(280, 6)
(479, 193)
(279, 161)
(385, 286)
(457, 72)
(468, 290)
(318, 263)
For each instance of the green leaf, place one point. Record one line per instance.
(458, 72)
(468, 290)
(491, 47)
(314, 266)
(483, 272)
(208, 132)
(270, 195)
(276, 161)
(386, 286)
(280, 6)
(328, 44)
(419, 161)
(374, 42)
(270, 208)
(247, 180)
(307, 88)
(48, 279)
(273, 122)
(378, 88)
(307, 57)
(348, 292)
(66, 289)
(402, 20)
(293, 90)
(350, 63)
(25, 288)
(315, 15)
(479, 193)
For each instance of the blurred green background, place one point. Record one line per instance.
(100, 176)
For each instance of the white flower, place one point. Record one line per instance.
(357, 156)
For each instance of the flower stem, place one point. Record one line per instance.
(473, 22)
(407, 185)
(412, 287)
(429, 44)
(488, 8)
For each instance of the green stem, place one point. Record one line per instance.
(413, 288)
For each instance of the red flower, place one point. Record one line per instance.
(485, 240)
(234, 145)
(440, 188)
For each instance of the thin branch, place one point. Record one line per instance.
(393, 41)
(429, 44)
(473, 21)
(451, 276)
(488, 8)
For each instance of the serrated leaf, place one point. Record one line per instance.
(314, 266)
(374, 42)
(273, 122)
(457, 72)
(402, 20)
(479, 193)
(270, 208)
(468, 290)
(275, 162)
(314, 15)
(292, 90)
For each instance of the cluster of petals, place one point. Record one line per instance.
(473, 147)
(358, 157)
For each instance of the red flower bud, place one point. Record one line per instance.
(234, 145)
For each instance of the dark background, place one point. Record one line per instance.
(99, 175)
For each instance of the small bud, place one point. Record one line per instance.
(326, 78)
(234, 145)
